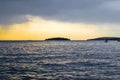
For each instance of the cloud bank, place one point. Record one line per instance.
(85, 11)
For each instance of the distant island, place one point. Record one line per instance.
(107, 38)
(57, 39)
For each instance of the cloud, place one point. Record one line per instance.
(77, 11)
(112, 4)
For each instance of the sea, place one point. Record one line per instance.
(59, 60)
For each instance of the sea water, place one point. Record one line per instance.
(59, 60)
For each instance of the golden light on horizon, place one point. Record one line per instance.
(39, 29)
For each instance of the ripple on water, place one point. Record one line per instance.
(73, 60)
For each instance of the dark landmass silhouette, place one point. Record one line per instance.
(107, 38)
(57, 39)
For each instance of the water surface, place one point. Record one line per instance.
(60, 60)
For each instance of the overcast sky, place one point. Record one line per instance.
(76, 19)
(86, 11)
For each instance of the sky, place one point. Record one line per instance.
(74, 19)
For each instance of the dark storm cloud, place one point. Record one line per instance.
(87, 11)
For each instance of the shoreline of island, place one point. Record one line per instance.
(66, 39)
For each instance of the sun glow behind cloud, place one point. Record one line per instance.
(37, 28)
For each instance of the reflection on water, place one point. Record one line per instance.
(75, 60)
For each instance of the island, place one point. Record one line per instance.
(107, 38)
(57, 39)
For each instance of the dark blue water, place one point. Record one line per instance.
(68, 60)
